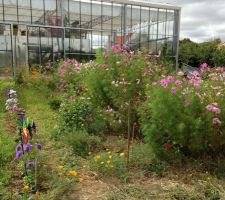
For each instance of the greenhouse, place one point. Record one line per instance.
(35, 32)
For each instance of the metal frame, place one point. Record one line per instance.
(66, 30)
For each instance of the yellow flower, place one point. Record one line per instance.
(89, 153)
(26, 187)
(109, 152)
(110, 156)
(102, 163)
(60, 166)
(122, 154)
(108, 161)
(97, 157)
(73, 172)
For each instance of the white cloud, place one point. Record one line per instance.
(201, 20)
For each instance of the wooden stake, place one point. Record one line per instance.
(128, 133)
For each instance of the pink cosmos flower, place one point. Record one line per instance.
(116, 47)
(213, 108)
(169, 79)
(173, 90)
(204, 66)
(216, 121)
(163, 83)
(178, 82)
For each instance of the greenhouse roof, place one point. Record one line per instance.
(144, 3)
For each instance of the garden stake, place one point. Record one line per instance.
(133, 132)
(128, 136)
(35, 176)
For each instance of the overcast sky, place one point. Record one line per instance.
(201, 20)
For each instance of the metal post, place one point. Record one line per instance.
(27, 50)
(178, 37)
(124, 21)
(64, 32)
(13, 50)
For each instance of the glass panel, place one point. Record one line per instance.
(24, 11)
(144, 26)
(106, 40)
(153, 25)
(20, 41)
(38, 15)
(51, 16)
(34, 46)
(136, 27)
(5, 51)
(107, 16)
(1, 11)
(96, 40)
(74, 13)
(96, 22)
(170, 23)
(86, 14)
(10, 10)
(72, 43)
(162, 24)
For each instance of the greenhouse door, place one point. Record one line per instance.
(45, 45)
(19, 42)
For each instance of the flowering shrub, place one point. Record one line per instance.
(186, 115)
(68, 73)
(117, 80)
(77, 113)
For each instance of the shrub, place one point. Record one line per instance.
(77, 113)
(219, 57)
(118, 79)
(55, 103)
(186, 116)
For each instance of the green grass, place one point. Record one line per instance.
(7, 143)
(35, 100)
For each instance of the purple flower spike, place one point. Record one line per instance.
(27, 147)
(18, 148)
(18, 154)
(30, 164)
(39, 146)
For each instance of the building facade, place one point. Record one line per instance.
(34, 32)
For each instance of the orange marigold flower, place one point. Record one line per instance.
(73, 172)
